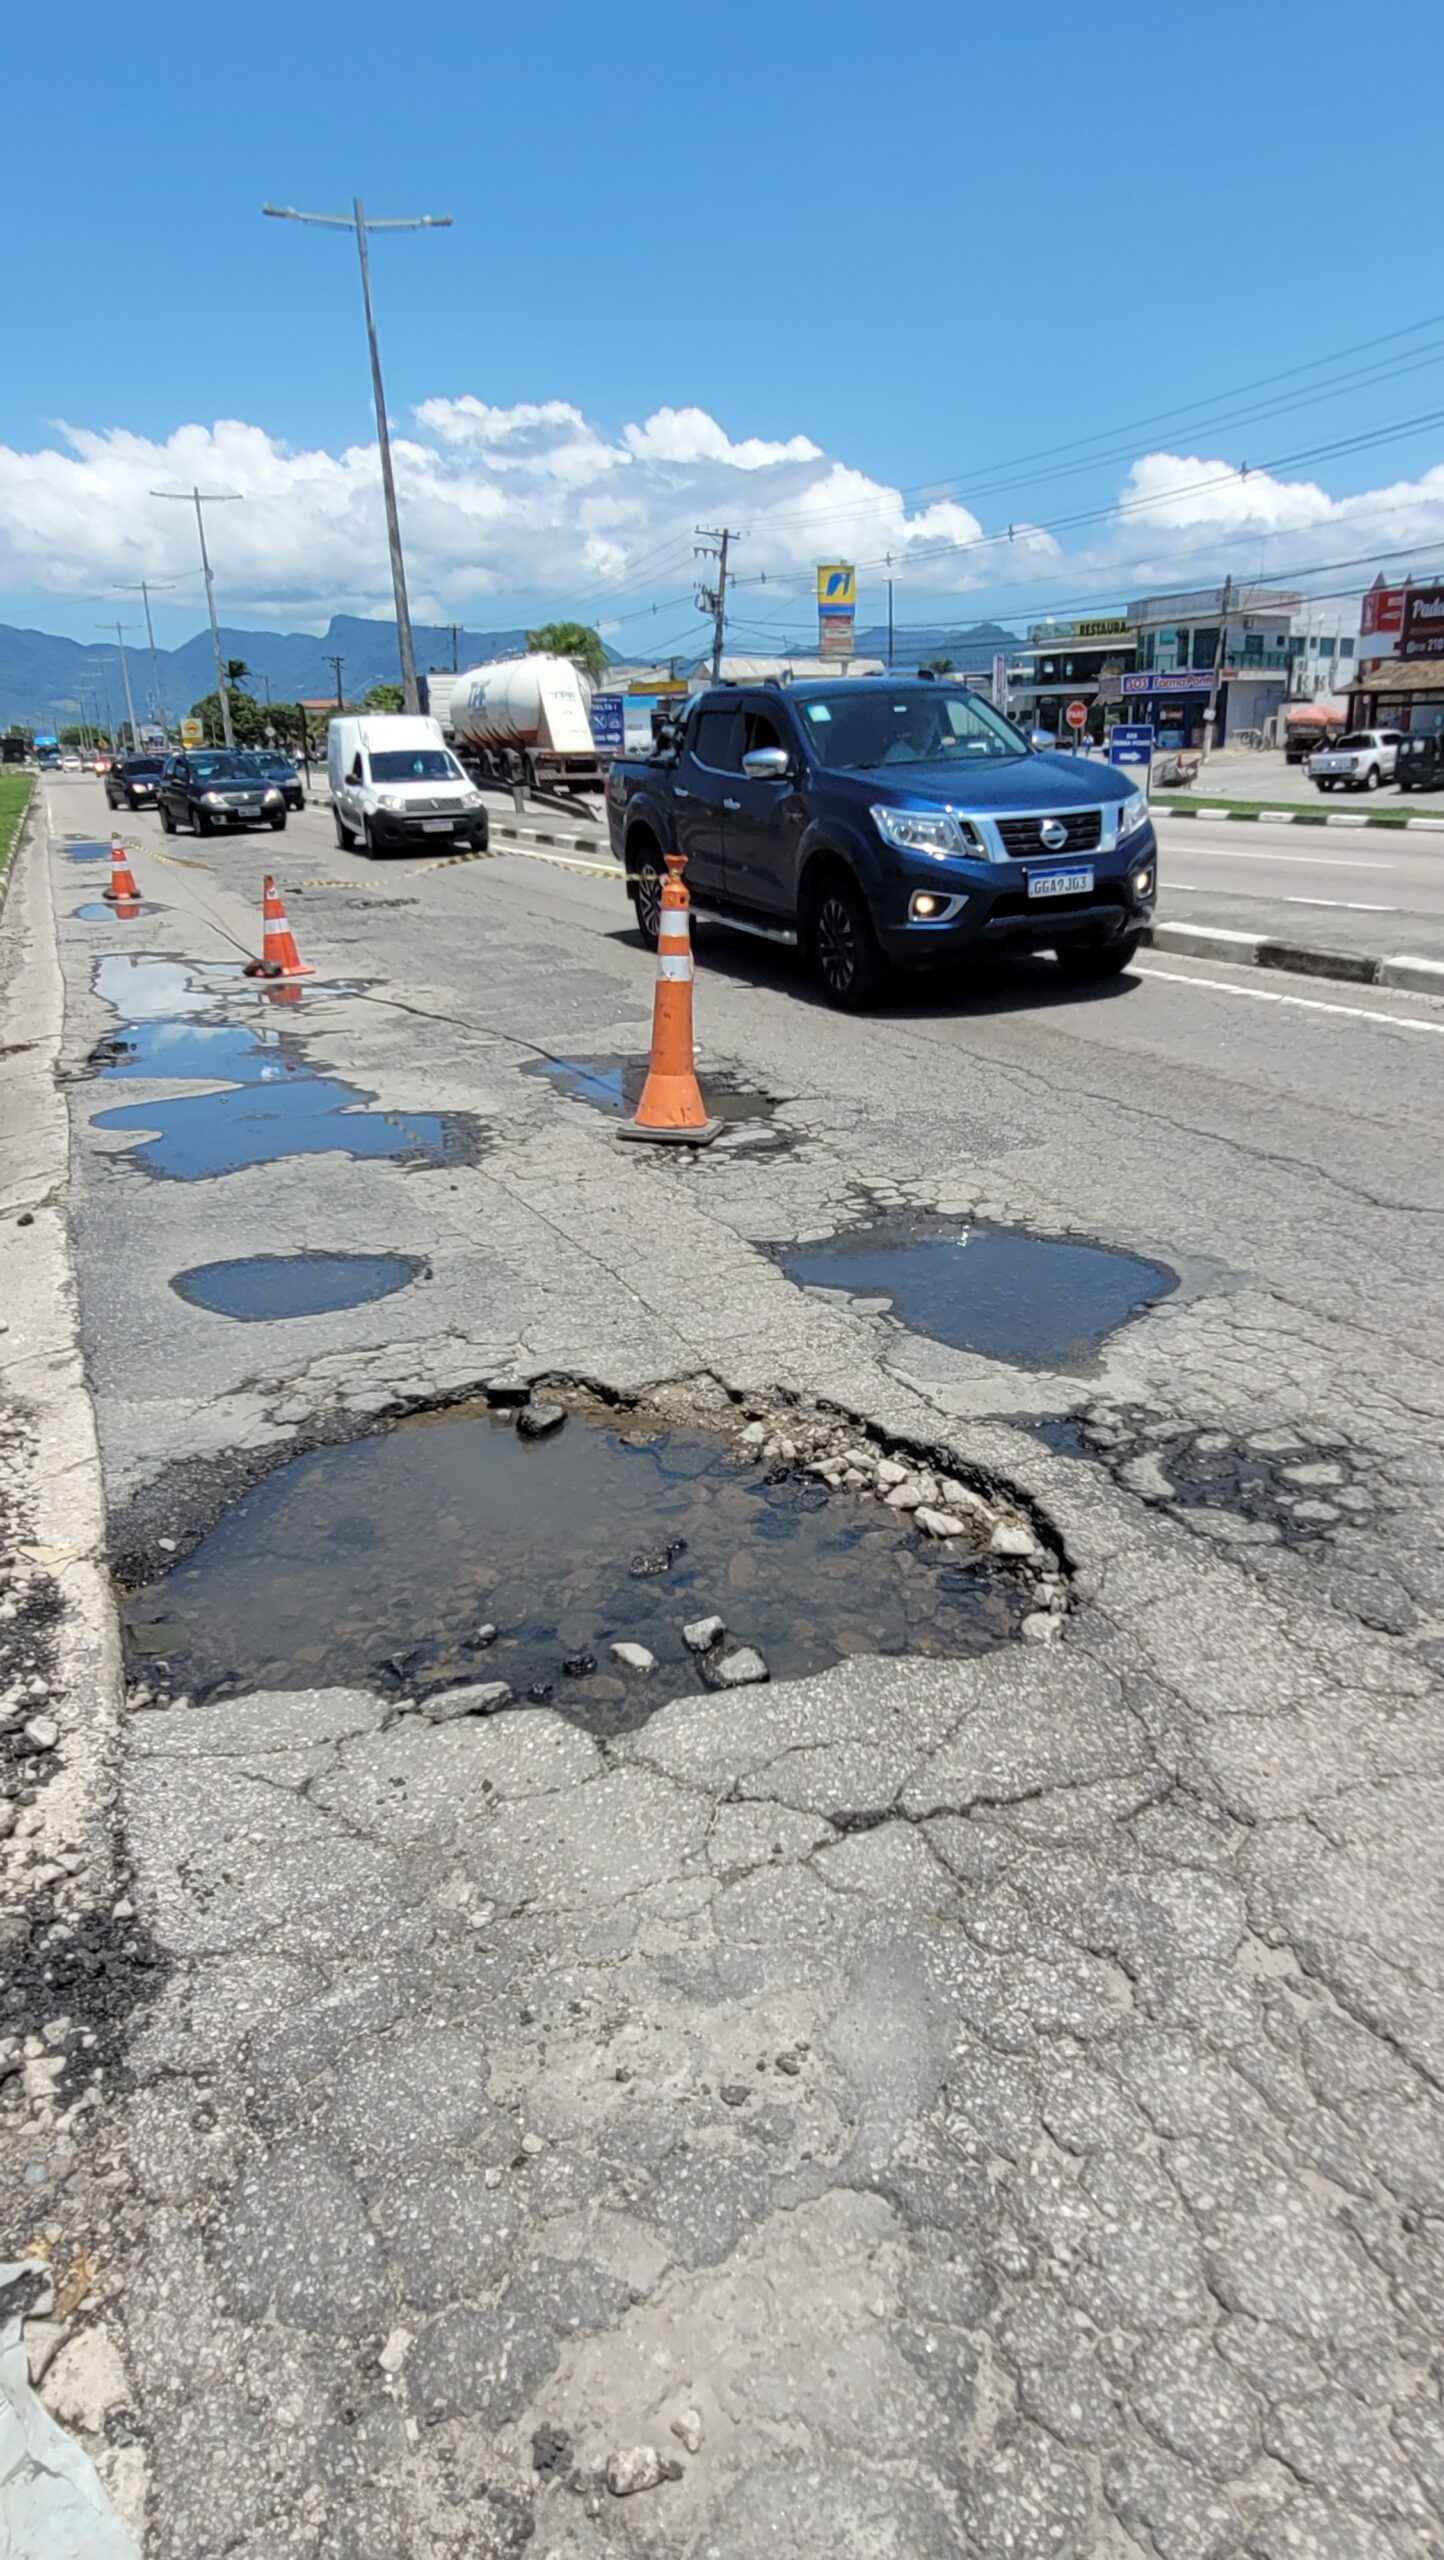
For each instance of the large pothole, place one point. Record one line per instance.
(1034, 1301)
(453, 1548)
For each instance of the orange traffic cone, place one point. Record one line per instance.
(279, 956)
(122, 878)
(672, 1111)
(127, 909)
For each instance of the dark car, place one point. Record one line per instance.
(272, 766)
(881, 820)
(209, 788)
(134, 782)
(1419, 761)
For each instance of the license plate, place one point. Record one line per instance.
(1067, 881)
(436, 826)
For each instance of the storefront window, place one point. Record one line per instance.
(1205, 648)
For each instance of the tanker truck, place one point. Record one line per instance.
(521, 718)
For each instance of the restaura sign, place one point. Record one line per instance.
(1423, 628)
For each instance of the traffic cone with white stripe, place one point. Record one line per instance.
(279, 956)
(672, 1111)
(122, 878)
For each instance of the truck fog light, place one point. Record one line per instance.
(1142, 883)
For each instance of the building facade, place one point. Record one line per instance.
(1178, 657)
(1398, 682)
(1084, 660)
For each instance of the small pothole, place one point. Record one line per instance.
(1269, 1487)
(611, 1083)
(273, 1288)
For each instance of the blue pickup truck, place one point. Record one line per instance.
(881, 820)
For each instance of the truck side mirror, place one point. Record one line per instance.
(767, 764)
(1041, 742)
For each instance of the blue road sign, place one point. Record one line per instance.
(1131, 733)
(609, 722)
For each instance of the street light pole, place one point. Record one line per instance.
(119, 629)
(142, 590)
(210, 498)
(358, 222)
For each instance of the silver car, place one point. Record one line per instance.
(1359, 762)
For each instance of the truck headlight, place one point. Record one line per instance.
(1132, 816)
(934, 831)
(273, 793)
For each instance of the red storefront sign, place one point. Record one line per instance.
(1383, 611)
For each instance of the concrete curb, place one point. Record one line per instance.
(1403, 969)
(1296, 817)
(515, 833)
(66, 1835)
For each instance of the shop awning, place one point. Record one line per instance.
(1394, 676)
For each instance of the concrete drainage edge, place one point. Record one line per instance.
(1403, 970)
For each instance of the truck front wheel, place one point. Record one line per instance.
(841, 944)
(645, 883)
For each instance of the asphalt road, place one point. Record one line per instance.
(981, 2105)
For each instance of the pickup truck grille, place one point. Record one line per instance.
(1024, 836)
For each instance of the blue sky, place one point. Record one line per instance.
(925, 242)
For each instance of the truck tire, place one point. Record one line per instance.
(1097, 959)
(645, 876)
(840, 943)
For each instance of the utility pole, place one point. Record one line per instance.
(356, 221)
(1210, 718)
(157, 702)
(337, 664)
(889, 622)
(714, 544)
(455, 629)
(210, 498)
(119, 628)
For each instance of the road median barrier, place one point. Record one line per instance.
(1283, 813)
(1405, 970)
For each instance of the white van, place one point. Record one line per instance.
(394, 781)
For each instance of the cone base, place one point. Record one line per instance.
(702, 1137)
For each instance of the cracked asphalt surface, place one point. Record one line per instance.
(986, 2107)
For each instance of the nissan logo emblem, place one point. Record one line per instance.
(1054, 834)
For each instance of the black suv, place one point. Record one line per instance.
(272, 766)
(1419, 760)
(134, 782)
(888, 819)
(209, 788)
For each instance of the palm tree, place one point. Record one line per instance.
(574, 640)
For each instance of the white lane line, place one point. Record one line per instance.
(1302, 1004)
(1260, 857)
(1350, 906)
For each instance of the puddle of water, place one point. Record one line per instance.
(1043, 1302)
(380, 1561)
(614, 1084)
(83, 851)
(271, 1101)
(268, 1288)
(105, 910)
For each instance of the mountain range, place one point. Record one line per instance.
(43, 678)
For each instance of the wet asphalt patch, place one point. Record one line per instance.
(271, 1101)
(86, 849)
(612, 1083)
(106, 910)
(272, 1288)
(1033, 1301)
(1270, 1487)
(385, 1561)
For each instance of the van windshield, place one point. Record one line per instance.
(414, 764)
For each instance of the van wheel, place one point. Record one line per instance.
(344, 837)
(842, 945)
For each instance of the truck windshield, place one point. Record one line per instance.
(414, 764)
(862, 729)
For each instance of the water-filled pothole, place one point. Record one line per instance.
(105, 910)
(1035, 1301)
(614, 1084)
(271, 1288)
(271, 1101)
(384, 1561)
(86, 849)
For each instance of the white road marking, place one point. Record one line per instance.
(1303, 1004)
(1308, 861)
(1351, 906)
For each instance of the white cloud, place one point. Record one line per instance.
(537, 502)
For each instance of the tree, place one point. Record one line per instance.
(248, 718)
(384, 697)
(236, 673)
(574, 640)
(938, 667)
